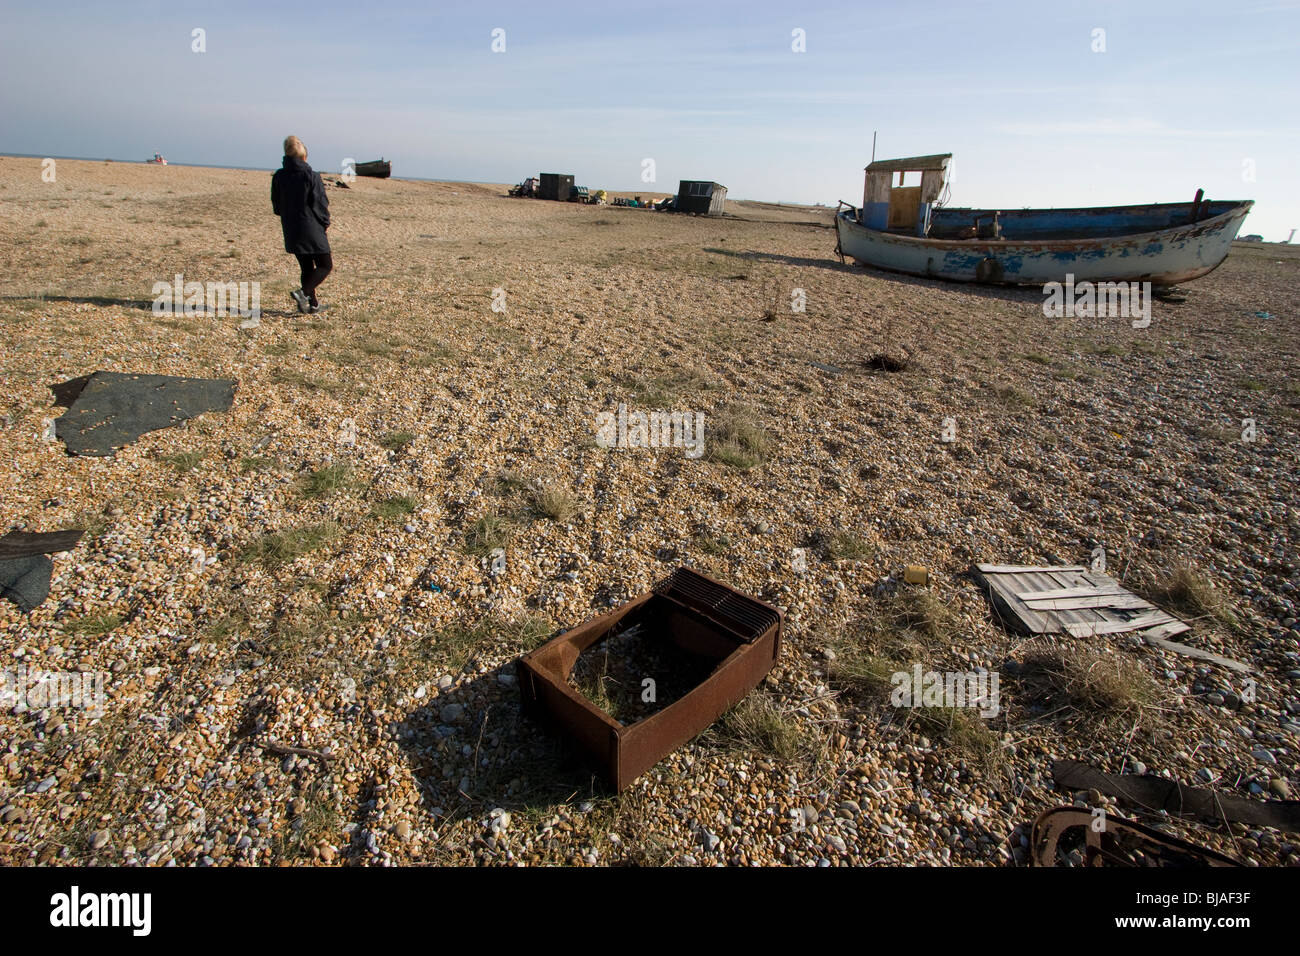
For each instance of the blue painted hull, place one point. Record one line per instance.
(1154, 243)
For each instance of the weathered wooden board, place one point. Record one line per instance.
(1087, 590)
(1069, 599)
(1009, 568)
(1197, 654)
(1166, 630)
(1121, 601)
(1139, 623)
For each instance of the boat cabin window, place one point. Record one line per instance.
(900, 193)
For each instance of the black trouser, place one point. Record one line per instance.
(315, 268)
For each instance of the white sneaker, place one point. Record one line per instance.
(301, 298)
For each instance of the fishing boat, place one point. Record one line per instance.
(157, 160)
(379, 168)
(907, 228)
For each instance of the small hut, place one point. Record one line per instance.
(889, 205)
(702, 198)
(555, 186)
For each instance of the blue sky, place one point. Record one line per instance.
(1185, 94)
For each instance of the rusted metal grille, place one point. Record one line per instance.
(742, 616)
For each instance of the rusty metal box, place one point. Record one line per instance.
(700, 616)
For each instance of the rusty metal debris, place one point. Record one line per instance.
(739, 634)
(1114, 841)
(1157, 793)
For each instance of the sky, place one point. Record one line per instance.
(1037, 106)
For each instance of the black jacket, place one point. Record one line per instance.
(298, 198)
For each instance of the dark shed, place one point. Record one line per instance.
(703, 198)
(555, 186)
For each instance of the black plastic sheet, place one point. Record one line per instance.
(110, 409)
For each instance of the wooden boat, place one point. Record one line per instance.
(379, 168)
(906, 229)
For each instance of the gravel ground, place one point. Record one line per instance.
(330, 681)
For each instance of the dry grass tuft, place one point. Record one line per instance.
(1186, 591)
(282, 547)
(325, 481)
(553, 501)
(759, 724)
(1080, 682)
(486, 534)
(736, 439)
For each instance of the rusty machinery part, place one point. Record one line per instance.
(741, 634)
(1115, 841)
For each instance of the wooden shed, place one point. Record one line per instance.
(887, 204)
(555, 186)
(700, 197)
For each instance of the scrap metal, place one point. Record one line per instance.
(1115, 841)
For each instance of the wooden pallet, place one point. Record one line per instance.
(1074, 600)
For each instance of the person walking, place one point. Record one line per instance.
(298, 198)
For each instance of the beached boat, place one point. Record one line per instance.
(379, 168)
(906, 229)
(157, 159)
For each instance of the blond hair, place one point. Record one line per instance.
(293, 147)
